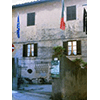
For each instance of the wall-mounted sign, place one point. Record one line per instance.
(12, 47)
(55, 69)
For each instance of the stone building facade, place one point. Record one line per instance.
(40, 32)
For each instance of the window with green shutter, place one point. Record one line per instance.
(71, 13)
(30, 19)
(72, 47)
(30, 50)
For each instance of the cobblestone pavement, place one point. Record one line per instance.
(33, 92)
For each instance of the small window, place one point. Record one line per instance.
(72, 47)
(29, 50)
(30, 19)
(71, 13)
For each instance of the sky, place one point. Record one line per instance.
(14, 2)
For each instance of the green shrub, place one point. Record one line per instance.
(58, 52)
(80, 62)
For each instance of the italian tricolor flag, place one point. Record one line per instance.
(62, 23)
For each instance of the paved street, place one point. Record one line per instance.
(33, 92)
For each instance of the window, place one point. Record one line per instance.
(30, 19)
(72, 47)
(29, 50)
(71, 13)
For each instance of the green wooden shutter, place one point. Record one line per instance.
(24, 50)
(13, 68)
(71, 13)
(65, 45)
(35, 49)
(79, 47)
(30, 19)
(74, 12)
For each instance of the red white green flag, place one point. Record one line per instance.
(62, 23)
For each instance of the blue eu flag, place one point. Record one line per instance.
(18, 27)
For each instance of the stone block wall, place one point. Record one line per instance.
(72, 84)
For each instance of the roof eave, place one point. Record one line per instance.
(32, 3)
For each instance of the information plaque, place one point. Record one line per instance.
(55, 69)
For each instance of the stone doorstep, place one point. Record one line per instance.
(37, 94)
(30, 88)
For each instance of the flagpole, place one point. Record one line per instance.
(18, 36)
